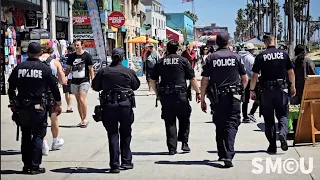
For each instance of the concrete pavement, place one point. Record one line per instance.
(85, 153)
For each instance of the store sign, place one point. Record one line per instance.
(30, 19)
(88, 44)
(81, 20)
(116, 19)
(82, 36)
(44, 35)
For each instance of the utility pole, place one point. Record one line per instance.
(290, 28)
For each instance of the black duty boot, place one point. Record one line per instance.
(228, 163)
(127, 166)
(38, 171)
(185, 147)
(283, 141)
(26, 170)
(171, 152)
(114, 170)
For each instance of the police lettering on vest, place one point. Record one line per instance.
(170, 61)
(273, 56)
(33, 73)
(224, 62)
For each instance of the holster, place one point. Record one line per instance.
(98, 110)
(212, 95)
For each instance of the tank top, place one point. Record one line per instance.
(52, 66)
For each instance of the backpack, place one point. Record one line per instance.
(48, 61)
(150, 61)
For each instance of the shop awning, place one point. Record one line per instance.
(21, 4)
(174, 35)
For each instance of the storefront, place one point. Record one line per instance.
(62, 19)
(18, 29)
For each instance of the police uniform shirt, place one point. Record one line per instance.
(173, 70)
(223, 67)
(117, 78)
(32, 79)
(273, 64)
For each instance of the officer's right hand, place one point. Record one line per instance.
(204, 106)
(293, 91)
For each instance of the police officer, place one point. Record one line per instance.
(275, 66)
(173, 71)
(117, 84)
(32, 79)
(221, 75)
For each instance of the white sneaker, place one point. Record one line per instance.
(45, 149)
(58, 144)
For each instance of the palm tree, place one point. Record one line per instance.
(280, 30)
(241, 23)
(193, 16)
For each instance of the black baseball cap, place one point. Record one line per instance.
(118, 52)
(222, 39)
(34, 48)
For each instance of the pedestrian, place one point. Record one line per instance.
(57, 71)
(32, 79)
(303, 66)
(80, 64)
(152, 58)
(67, 88)
(247, 60)
(117, 84)
(173, 71)
(190, 55)
(275, 66)
(225, 76)
(203, 55)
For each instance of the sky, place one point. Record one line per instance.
(221, 12)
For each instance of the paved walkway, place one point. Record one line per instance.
(85, 153)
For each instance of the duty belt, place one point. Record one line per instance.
(171, 89)
(117, 96)
(236, 90)
(278, 83)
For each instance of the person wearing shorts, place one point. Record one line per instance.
(79, 64)
(67, 88)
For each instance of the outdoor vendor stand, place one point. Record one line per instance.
(308, 125)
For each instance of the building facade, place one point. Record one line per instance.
(155, 19)
(213, 29)
(183, 23)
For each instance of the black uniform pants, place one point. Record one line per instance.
(113, 115)
(34, 129)
(226, 117)
(274, 100)
(176, 106)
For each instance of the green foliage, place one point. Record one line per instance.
(193, 16)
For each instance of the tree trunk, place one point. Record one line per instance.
(302, 26)
(297, 33)
(290, 28)
(308, 22)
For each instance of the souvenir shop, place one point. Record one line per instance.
(20, 25)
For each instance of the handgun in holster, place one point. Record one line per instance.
(98, 108)
(157, 86)
(15, 116)
(212, 94)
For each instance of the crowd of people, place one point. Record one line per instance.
(166, 72)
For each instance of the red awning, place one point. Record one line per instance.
(174, 35)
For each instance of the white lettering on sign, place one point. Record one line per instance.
(80, 19)
(116, 20)
(273, 56)
(33, 73)
(224, 62)
(170, 61)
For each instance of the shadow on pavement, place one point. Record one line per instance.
(149, 153)
(11, 172)
(261, 127)
(204, 162)
(154, 153)
(244, 152)
(79, 170)
(73, 126)
(9, 152)
(209, 122)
